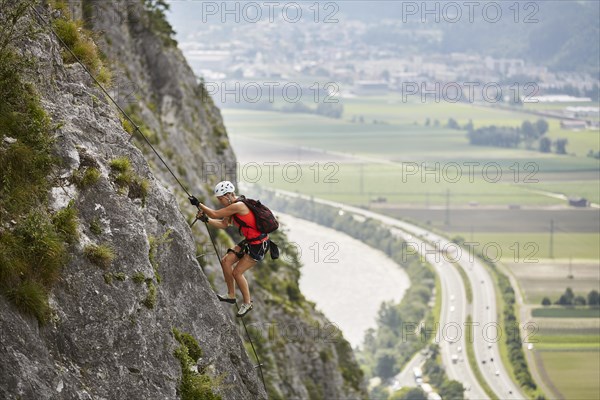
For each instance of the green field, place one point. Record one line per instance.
(495, 219)
(567, 328)
(573, 373)
(565, 312)
(407, 142)
(566, 340)
(392, 109)
(412, 184)
(398, 130)
(563, 342)
(533, 248)
(407, 184)
(550, 278)
(387, 156)
(580, 143)
(587, 189)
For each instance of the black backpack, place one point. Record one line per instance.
(265, 220)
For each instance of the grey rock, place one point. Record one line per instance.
(102, 343)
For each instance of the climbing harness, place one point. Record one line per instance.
(137, 129)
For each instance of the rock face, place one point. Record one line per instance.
(110, 335)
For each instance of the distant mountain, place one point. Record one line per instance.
(562, 35)
(565, 38)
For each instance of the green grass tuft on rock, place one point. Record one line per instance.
(100, 255)
(65, 222)
(193, 385)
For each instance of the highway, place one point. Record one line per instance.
(455, 308)
(450, 336)
(487, 333)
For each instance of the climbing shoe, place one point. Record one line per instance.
(244, 309)
(225, 297)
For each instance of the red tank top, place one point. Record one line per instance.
(250, 231)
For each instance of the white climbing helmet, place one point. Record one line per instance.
(223, 188)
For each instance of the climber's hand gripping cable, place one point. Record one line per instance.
(200, 216)
(194, 201)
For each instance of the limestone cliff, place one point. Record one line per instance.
(130, 312)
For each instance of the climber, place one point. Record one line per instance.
(247, 253)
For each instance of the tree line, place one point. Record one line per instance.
(568, 298)
(530, 134)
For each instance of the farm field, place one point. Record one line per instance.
(549, 278)
(535, 247)
(393, 109)
(573, 373)
(576, 188)
(390, 142)
(567, 342)
(566, 353)
(497, 219)
(403, 127)
(408, 183)
(365, 156)
(581, 142)
(566, 312)
(561, 330)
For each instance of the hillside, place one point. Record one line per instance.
(105, 292)
(561, 35)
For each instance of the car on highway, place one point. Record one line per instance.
(417, 372)
(497, 373)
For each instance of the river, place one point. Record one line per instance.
(347, 279)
